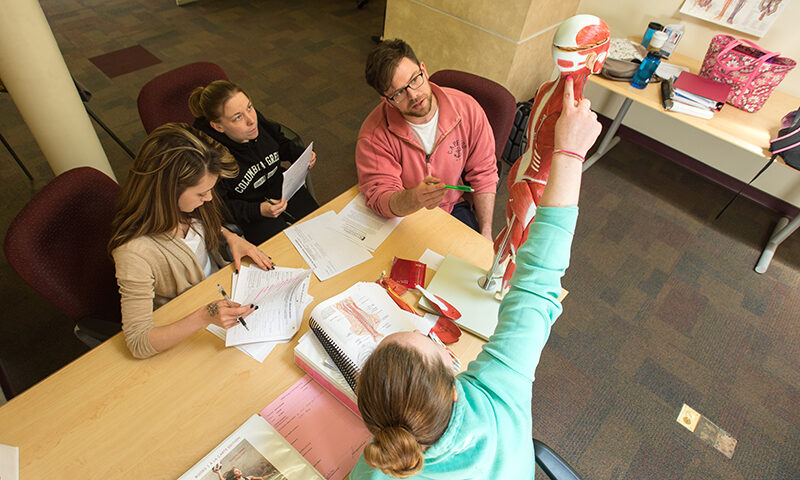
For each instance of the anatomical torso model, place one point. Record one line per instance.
(580, 46)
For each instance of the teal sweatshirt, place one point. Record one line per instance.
(490, 430)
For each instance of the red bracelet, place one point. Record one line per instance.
(571, 154)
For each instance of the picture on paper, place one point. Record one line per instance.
(749, 16)
(244, 462)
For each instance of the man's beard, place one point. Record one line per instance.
(423, 112)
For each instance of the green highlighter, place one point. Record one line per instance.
(463, 188)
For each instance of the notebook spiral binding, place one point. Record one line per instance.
(345, 365)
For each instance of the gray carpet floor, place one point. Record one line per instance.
(664, 306)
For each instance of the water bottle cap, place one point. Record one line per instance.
(658, 39)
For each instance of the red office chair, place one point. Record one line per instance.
(57, 244)
(166, 97)
(495, 99)
(5, 383)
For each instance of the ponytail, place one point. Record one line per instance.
(208, 102)
(406, 401)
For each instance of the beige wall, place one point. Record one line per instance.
(630, 17)
(508, 44)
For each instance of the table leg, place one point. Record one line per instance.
(783, 229)
(609, 139)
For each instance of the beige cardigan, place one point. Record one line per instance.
(152, 270)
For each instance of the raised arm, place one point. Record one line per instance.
(531, 306)
(576, 131)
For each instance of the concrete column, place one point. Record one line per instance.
(506, 41)
(34, 72)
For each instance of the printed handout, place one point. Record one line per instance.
(280, 295)
(9, 462)
(323, 430)
(324, 248)
(254, 449)
(295, 176)
(363, 226)
(257, 351)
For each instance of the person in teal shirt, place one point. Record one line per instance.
(427, 423)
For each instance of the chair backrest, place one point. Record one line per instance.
(5, 383)
(57, 244)
(498, 103)
(166, 97)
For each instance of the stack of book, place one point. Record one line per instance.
(694, 95)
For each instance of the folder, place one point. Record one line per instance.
(695, 85)
(675, 103)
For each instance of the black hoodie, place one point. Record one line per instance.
(260, 174)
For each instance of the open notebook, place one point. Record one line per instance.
(351, 324)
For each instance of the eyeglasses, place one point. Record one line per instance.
(400, 95)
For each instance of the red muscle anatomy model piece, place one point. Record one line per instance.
(580, 46)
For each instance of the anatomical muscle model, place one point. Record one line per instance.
(580, 45)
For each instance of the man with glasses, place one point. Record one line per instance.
(421, 141)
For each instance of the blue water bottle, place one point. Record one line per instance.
(646, 70)
(652, 27)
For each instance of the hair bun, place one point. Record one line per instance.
(395, 451)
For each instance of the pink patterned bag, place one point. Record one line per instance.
(752, 71)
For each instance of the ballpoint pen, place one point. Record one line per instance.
(226, 297)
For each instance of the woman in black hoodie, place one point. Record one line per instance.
(224, 111)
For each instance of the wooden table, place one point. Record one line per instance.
(108, 415)
(748, 131)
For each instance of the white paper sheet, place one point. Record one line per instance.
(279, 294)
(256, 449)
(668, 70)
(324, 248)
(431, 259)
(9, 462)
(363, 226)
(295, 176)
(257, 351)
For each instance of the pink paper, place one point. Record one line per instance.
(318, 426)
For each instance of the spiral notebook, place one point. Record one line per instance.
(351, 324)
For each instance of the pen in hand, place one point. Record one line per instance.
(288, 215)
(462, 188)
(226, 297)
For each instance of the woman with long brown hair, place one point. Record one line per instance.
(429, 424)
(167, 235)
(254, 196)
